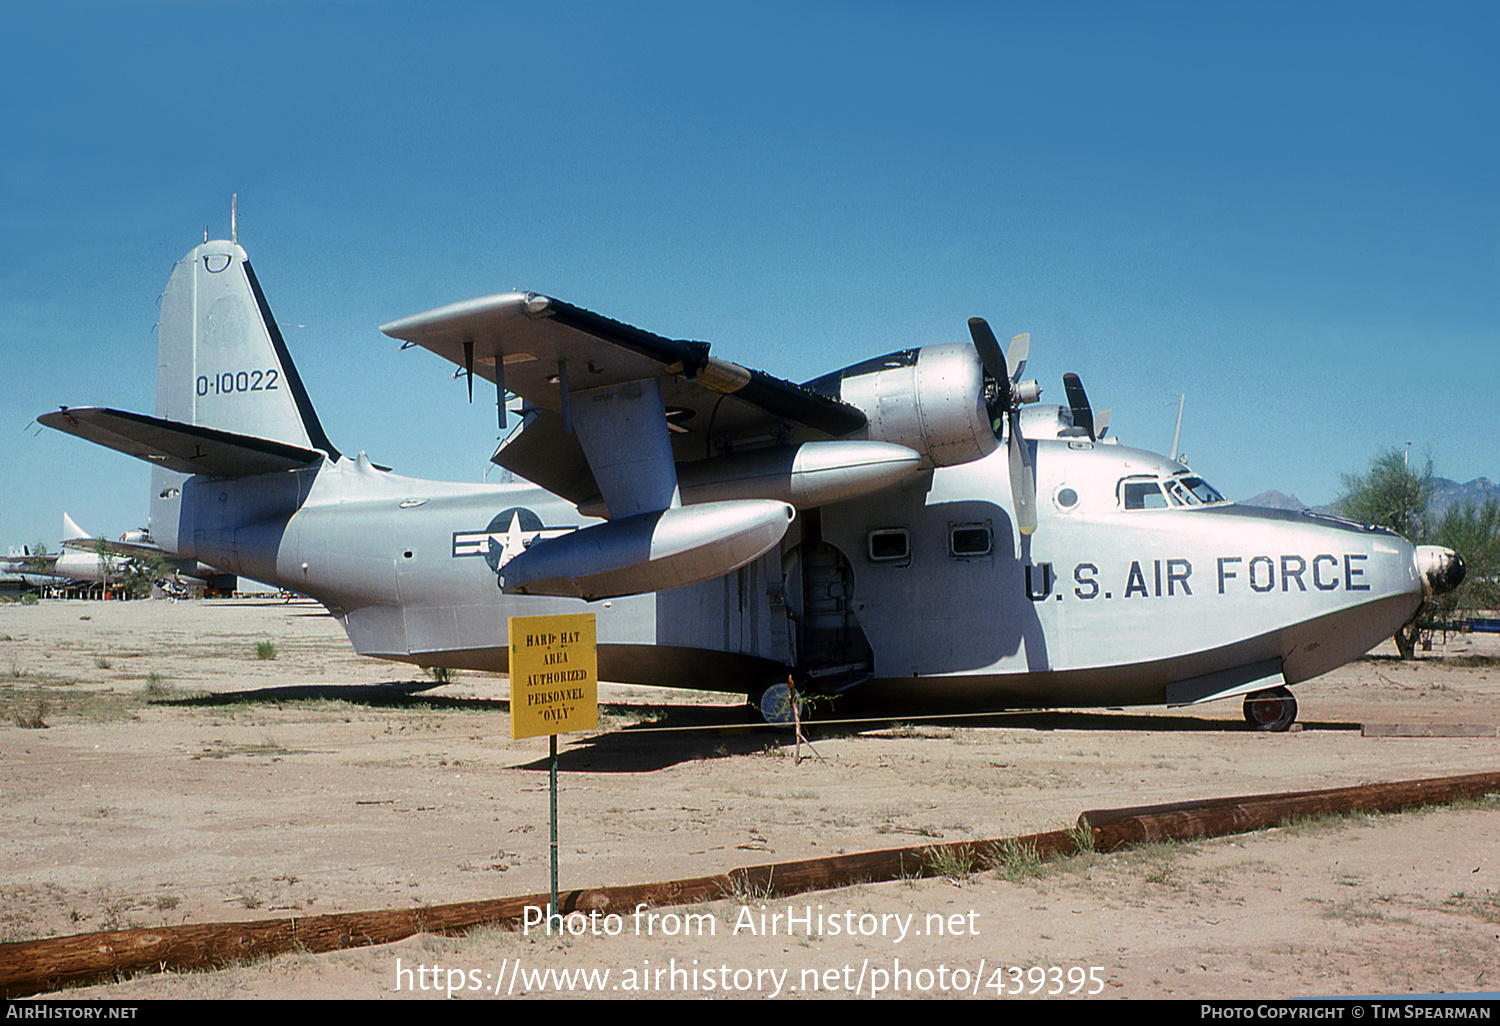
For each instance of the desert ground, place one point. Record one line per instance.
(194, 762)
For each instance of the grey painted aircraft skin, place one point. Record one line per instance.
(860, 531)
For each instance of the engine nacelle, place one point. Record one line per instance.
(645, 552)
(930, 400)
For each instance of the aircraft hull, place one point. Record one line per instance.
(1165, 681)
(1058, 619)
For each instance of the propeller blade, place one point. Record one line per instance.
(1022, 477)
(1078, 400)
(988, 348)
(1103, 423)
(1019, 347)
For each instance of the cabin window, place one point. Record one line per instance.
(1142, 493)
(1065, 497)
(889, 545)
(969, 540)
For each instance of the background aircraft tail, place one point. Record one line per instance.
(71, 531)
(222, 362)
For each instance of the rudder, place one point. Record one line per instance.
(221, 360)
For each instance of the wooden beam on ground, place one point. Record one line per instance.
(30, 967)
(1427, 730)
(1217, 817)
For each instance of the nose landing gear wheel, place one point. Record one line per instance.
(1273, 709)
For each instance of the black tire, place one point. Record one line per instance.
(773, 706)
(1271, 710)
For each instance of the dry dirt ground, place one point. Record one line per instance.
(141, 804)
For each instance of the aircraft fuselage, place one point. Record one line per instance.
(924, 587)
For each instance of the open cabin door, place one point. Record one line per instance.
(832, 651)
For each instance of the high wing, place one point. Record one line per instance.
(698, 464)
(559, 358)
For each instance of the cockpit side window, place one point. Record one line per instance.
(1141, 493)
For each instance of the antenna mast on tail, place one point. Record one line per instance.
(234, 217)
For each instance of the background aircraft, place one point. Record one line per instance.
(81, 559)
(86, 560)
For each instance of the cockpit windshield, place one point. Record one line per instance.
(1177, 490)
(1200, 489)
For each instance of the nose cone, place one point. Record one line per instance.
(1442, 569)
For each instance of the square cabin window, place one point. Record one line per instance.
(968, 540)
(889, 545)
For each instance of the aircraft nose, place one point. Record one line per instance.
(1442, 569)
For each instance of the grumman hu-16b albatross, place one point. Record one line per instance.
(914, 528)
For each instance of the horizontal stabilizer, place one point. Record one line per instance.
(130, 550)
(185, 448)
(652, 551)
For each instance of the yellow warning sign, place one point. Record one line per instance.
(554, 675)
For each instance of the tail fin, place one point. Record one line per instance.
(71, 531)
(222, 362)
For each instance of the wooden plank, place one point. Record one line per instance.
(1218, 817)
(29, 967)
(1427, 730)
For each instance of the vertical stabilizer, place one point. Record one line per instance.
(222, 362)
(71, 531)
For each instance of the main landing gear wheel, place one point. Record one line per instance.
(1272, 709)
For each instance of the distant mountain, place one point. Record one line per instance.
(1445, 493)
(1274, 500)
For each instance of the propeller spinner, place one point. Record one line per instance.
(1010, 393)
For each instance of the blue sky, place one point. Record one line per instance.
(1288, 212)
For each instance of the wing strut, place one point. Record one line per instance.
(500, 385)
(565, 396)
(623, 431)
(652, 541)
